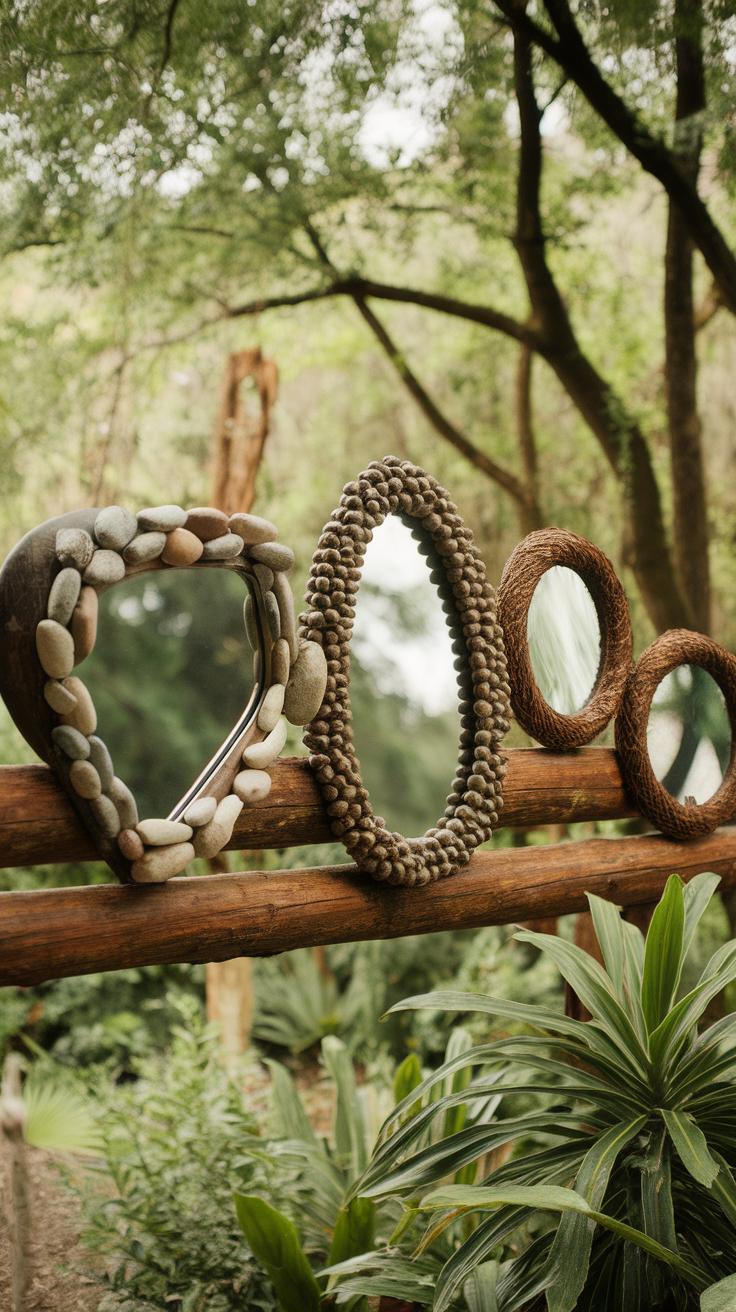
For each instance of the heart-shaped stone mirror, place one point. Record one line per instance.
(49, 589)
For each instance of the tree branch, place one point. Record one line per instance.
(532, 516)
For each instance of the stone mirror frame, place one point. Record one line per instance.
(49, 588)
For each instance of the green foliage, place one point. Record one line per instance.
(58, 1116)
(634, 1109)
(274, 1242)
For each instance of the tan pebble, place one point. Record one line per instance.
(273, 554)
(64, 595)
(84, 715)
(124, 801)
(162, 863)
(280, 661)
(85, 779)
(307, 683)
(182, 548)
(102, 761)
(200, 812)
(207, 523)
(264, 576)
(212, 837)
(147, 546)
(252, 786)
(106, 815)
(71, 742)
(273, 616)
(271, 707)
(225, 548)
(162, 833)
(58, 698)
(130, 844)
(253, 529)
(285, 598)
(84, 624)
(251, 623)
(55, 647)
(74, 546)
(105, 567)
(260, 755)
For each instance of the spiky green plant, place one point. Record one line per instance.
(632, 1143)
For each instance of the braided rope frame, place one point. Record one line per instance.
(676, 647)
(532, 558)
(389, 487)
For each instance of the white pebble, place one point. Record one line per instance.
(147, 546)
(64, 595)
(84, 779)
(200, 812)
(106, 814)
(162, 863)
(260, 755)
(162, 519)
(55, 647)
(58, 697)
(211, 838)
(225, 548)
(104, 567)
(114, 527)
(124, 803)
(271, 707)
(252, 786)
(162, 833)
(285, 598)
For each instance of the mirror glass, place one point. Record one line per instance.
(564, 639)
(688, 734)
(171, 673)
(403, 688)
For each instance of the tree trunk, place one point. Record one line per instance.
(18, 1202)
(241, 430)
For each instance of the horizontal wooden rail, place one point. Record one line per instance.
(74, 931)
(38, 824)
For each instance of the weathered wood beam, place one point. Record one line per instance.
(73, 931)
(38, 824)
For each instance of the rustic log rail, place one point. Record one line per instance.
(38, 824)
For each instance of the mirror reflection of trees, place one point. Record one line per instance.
(688, 736)
(171, 673)
(564, 639)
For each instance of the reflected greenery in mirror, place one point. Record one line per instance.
(564, 639)
(403, 688)
(171, 673)
(688, 735)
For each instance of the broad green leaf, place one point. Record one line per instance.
(58, 1118)
(697, 893)
(460, 1042)
(720, 1297)
(293, 1120)
(668, 1038)
(355, 1231)
(570, 1254)
(656, 1190)
(408, 1076)
(724, 1188)
(663, 954)
(610, 934)
(480, 1289)
(349, 1125)
(477, 1249)
(551, 1198)
(691, 1146)
(275, 1244)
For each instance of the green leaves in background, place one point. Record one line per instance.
(662, 955)
(275, 1243)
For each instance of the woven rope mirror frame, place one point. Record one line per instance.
(391, 486)
(532, 558)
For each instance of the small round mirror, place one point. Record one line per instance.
(688, 734)
(564, 639)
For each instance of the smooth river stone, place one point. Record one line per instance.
(74, 546)
(124, 802)
(207, 523)
(162, 833)
(102, 761)
(273, 615)
(71, 742)
(84, 779)
(307, 683)
(253, 529)
(273, 554)
(280, 661)
(115, 527)
(104, 567)
(258, 756)
(58, 697)
(224, 548)
(182, 548)
(252, 786)
(147, 546)
(64, 595)
(200, 812)
(264, 576)
(212, 837)
(285, 598)
(84, 624)
(55, 647)
(162, 519)
(162, 863)
(130, 844)
(84, 715)
(251, 624)
(271, 707)
(106, 815)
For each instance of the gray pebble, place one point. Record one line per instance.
(273, 554)
(258, 756)
(264, 576)
(74, 546)
(253, 529)
(273, 615)
(64, 594)
(106, 815)
(84, 779)
(115, 527)
(102, 761)
(161, 863)
(59, 698)
(307, 683)
(162, 519)
(71, 742)
(280, 661)
(124, 802)
(105, 567)
(251, 623)
(225, 548)
(162, 833)
(212, 837)
(55, 647)
(285, 599)
(200, 812)
(271, 707)
(252, 786)
(147, 546)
